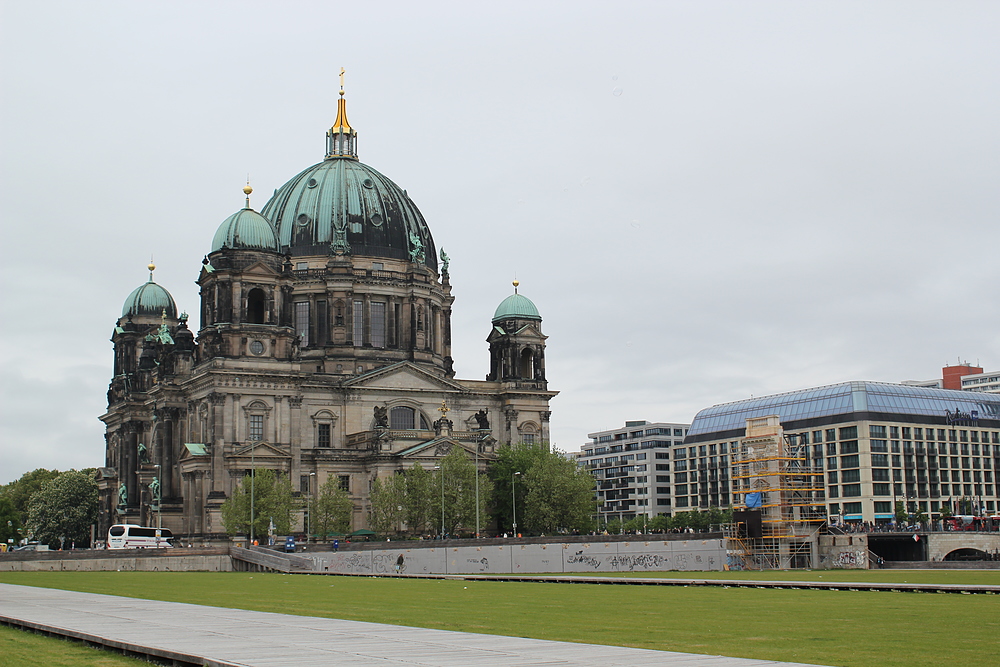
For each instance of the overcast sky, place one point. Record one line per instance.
(705, 200)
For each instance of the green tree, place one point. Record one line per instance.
(63, 509)
(659, 523)
(20, 490)
(901, 514)
(332, 510)
(272, 501)
(417, 499)
(559, 496)
(10, 522)
(458, 487)
(552, 493)
(518, 458)
(386, 499)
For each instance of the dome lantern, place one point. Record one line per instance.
(341, 139)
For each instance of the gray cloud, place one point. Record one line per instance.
(705, 200)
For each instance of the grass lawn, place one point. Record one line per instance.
(984, 577)
(850, 628)
(26, 649)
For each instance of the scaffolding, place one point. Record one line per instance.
(776, 483)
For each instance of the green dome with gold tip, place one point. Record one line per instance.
(149, 300)
(516, 306)
(341, 206)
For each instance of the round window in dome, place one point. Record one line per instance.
(311, 183)
(376, 220)
(257, 347)
(303, 219)
(368, 183)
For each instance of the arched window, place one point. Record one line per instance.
(527, 364)
(402, 417)
(256, 305)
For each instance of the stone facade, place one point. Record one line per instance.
(317, 356)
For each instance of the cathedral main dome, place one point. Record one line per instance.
(341, 206)
(345, 205)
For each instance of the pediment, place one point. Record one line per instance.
(259, 450)
(437, 447)
(403, 375)
(260, 269)
(530, 330)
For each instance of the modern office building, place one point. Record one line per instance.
(984, 382)
(876, 443)
(632, 468)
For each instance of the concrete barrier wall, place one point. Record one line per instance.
(849, 552)
(169, 564)
(645, 556)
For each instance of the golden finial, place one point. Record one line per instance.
(151, 267)
(247, 190)
(515, 284)
(444, 409)
(342, 81)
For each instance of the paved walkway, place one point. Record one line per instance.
(198, 635)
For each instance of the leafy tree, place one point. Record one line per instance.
(63, 509)
(559, 495)
(659, 523)
(10, 521)
(902, 516)
(332, 510)
(20, 491)
(386, 503)
(417, 499)
(458, 488)
(552, 493)
(272, 501)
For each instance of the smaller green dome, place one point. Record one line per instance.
(516, 306)
(149, 300)
(246, 230)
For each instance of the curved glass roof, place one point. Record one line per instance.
(845, 398)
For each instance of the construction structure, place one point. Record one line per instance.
(779, 500)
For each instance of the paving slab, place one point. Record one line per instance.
(199, 635)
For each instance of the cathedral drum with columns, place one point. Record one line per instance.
(323, 349)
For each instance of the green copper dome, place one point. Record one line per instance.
(246, 229)
(341, 205)
(516, 306)
(149, 300)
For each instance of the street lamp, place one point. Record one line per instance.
(440, 470)
(310, 506)
(513, 501)
(159, 491)
(253, 477)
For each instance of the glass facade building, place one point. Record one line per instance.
(877, 443)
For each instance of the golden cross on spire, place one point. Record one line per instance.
(342, 80)
(444, 409)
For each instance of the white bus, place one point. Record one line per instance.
(127, 536)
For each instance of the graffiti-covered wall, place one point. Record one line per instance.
(651, 556)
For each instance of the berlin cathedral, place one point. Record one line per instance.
(323, 349)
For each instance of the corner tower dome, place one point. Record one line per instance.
(246, 229)
(150, 300)
(517, 306)
(343, 207)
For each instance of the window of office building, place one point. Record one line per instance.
(849, 433)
